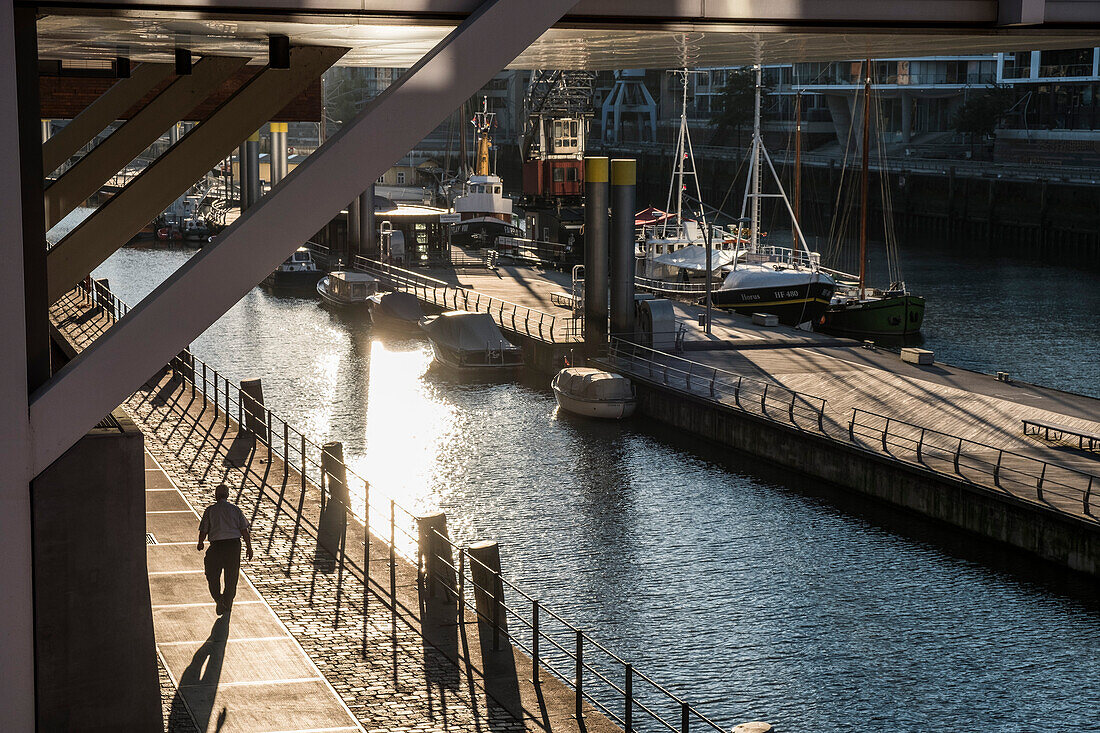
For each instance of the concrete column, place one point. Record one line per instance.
(436, 559)
(242, 176)
(278, 152)
(351, 238)
(595, 254)
(368, 235)
(174, 133)
(94, 638)
(252, 162)
(18, 67)
(906, 117)
(623, 194)
(492, 619)
(254, 415)
(47, 130)
(334, 519)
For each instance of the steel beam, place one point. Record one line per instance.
(17, 670)
(110, 106)
(136, 134)
(208, 284)
(115, 222)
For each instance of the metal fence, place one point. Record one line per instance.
(761, 397)
(1004, 468)
(596, 674)
(636, 701)
(942, 452)
(510, 316)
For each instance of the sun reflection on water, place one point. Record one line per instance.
(408, 431)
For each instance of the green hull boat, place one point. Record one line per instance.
(889, 315)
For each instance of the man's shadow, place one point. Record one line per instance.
(204, 671)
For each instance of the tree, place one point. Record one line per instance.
(735, 105)
(979, 114)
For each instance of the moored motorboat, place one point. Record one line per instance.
(398, 311)
(594, 393)
(794, 294)
(298, 273)
(470, 343)
(344, 289)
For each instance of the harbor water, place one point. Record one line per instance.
(748, 591)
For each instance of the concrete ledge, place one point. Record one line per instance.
(1068, 541)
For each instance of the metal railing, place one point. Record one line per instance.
(941, 452)
(597, 675)
(638, 698)
(534, 323)
(760, 397)
(537, 252)
(933, 447)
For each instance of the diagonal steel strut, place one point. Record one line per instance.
(208, 285)
(123, 216)
(110, 106)
(136, 134)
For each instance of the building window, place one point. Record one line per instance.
(400, 178)
(381, 178)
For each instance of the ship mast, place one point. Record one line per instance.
(483, 120)
(866, 176)
(755, 165)
(798, 155)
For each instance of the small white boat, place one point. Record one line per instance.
(594, 393)
(347, 289)
(298, 273)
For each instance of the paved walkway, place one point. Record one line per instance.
(238, 672)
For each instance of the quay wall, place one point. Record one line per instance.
(1058, 538)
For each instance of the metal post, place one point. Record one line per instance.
(535, 641)
(920, 445)
(957, 452)
(580, 676)
(393, 571)
(252, 162)
(763, 398)
(628, 699)
(368, 237)
(997, 469)
(242, 175)
(595, 254)
(217, 394)
(366, 559)
(790, 410)
(685, 717)
(885, 431)
(623, 190)
(1039, 485)
(1088, 497)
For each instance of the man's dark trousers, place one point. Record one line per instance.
(223, 556)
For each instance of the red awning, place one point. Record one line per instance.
(650, 216)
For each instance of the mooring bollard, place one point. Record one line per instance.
(334, 516)
(252, 405)
(436, 560)
(488, 592)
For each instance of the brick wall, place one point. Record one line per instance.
(64, 97)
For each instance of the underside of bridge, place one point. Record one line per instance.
(190, 48)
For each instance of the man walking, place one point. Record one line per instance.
(225, 525)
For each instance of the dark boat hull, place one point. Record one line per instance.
(900, 315)
(479, 362)
(303, 281)
(792, 304)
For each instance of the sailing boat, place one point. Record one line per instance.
(786, 282)
(864, 311)
(675, 248)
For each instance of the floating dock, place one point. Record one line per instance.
(942, 441)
